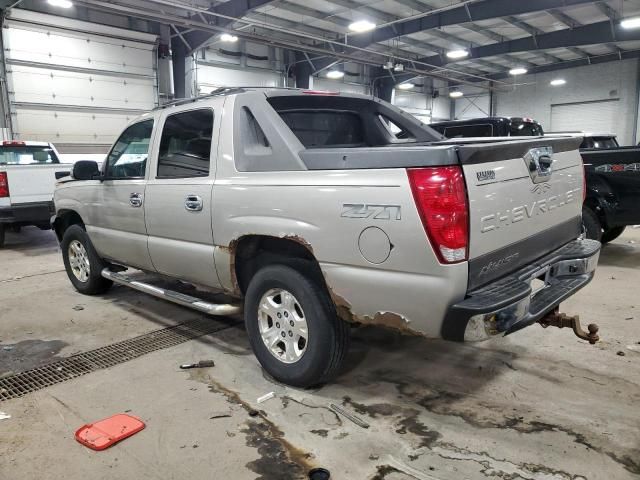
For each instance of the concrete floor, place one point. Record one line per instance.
(540, 404)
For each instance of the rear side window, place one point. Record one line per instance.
(27, 155)
(462, 131)
(396, 131)
(317, 129)
(185, 145)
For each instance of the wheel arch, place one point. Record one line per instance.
(64, 219)
(251, 252)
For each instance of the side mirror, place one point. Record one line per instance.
(60, 175)
(85, 170)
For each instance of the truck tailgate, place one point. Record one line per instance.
(32, 183)
(525, 200)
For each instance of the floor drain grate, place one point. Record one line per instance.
(80, 364)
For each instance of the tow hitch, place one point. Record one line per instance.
(562, 320)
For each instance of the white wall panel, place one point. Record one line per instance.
(210, 77)
(77, 50)
(605, 81)
(597, 117)
(473, 106)
(89, 128)
(73, 82)
(56, 87)
(336, 86)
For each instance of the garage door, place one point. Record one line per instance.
(598, 116)
(74, 83)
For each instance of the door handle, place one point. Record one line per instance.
(193, 203)
(135, 199)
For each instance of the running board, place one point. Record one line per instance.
(172, 296)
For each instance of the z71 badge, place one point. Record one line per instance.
(377, 212)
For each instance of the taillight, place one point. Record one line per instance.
(441, 197)
(4, 185)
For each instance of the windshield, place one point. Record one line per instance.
(521, 128)
(27, 155)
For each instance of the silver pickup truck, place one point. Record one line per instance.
(317, 210)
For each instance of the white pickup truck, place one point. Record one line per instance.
(27, 180)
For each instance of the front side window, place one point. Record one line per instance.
(185, 146)
(128, 157)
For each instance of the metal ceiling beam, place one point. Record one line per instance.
(469, 12)
(595, 33)
(457, 15)
(231, 8)
(580, 62)
(318, 47)
(310, 12)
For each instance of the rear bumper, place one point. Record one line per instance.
(36, 213)
(509, 304)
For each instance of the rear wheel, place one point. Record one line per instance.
(82, 263)
(611, 234)
(591, 224)
(16, 228)
(293, 327)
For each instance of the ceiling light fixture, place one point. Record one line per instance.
(457, 54)
(61, 3)
(388, 65)
(335, 74)
(406, 86)
(630, 23)
(557, 82)
(517, 71)
(226, 37)
(361, 26)
(398, 68)
(455, 94)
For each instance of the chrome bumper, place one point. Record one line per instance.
(513, 302)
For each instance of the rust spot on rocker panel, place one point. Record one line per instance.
(381, 318)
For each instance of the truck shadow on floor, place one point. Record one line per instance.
(31, 241)
(620, 254)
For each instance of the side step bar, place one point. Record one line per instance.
(172, 296)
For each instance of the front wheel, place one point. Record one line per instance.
(611, 234)
(293, 327)
(82, 263)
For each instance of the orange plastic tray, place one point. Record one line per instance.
(104, 433)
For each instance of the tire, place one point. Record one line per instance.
(16, 228)
(2, 235)
(611, 234)
(320, 356)
(82, 263)
(591, 224)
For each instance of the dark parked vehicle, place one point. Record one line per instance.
(489, 127)
(613, 185)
